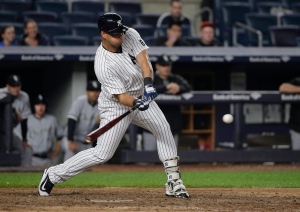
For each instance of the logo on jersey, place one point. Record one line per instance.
(142, 42)
(132, 59)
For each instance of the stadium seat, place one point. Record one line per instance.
(218, 14)
(16, 6)
(69, 18)
(130, 7)
(234, 12)
(265, 7)
(52, 6)
(144, 30)
(291, 19)
(126, 18)
(69, 40)
(40, 16)
(133, 8)
(94, 7)
(192, 40)
(256, 2)
(85, 29)
(97, 40)
(150, 19)
(296, 7)
(291, 2)
(52, 29)
(18, 27)
(298, 41)
(260, 22)
(284, 36)
(149, 40)
(8, 16)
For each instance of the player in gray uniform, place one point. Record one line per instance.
(21, 111)
(44, 134)
(123, 68)
(83, 118)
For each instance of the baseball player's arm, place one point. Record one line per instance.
(56, 150)
(289, 88)
(144, 62)
(125, 99)
(71, 128)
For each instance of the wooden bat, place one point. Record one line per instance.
(96, 133)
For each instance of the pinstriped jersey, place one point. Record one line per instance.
(119, 72)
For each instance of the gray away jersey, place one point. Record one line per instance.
(21, 103)
(43, 133)
(85, 115)
(119, 72)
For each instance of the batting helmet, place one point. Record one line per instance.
(111, 23)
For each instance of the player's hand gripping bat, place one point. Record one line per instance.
(96, 133)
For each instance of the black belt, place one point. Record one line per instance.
(42, 155)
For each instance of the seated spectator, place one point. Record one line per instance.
(173, 38)
(31, 36)
(175, 14)
(44, 134)
(207, 35)
(8, 36)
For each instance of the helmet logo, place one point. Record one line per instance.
(119, 23)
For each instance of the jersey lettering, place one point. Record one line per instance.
(132, 59)
(142, 42)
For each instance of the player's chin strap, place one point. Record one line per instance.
(172, 168)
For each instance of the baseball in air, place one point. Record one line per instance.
(228, 118)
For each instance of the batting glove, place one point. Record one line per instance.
(149, 91)
(141, 104)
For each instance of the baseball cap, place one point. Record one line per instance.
(40, 99)
(93, 85)
(13, 80)
(164, 60)
(207, 23)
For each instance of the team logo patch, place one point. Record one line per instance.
(142, 42)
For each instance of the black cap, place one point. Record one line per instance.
(111, 23)
(14, 80)
(93, 85)
(164, 60)
(40, 99)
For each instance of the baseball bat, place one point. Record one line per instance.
(96, 133)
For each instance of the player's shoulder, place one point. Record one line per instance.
(132, 34)
(81, 99)
(24, 95)
(49, 117)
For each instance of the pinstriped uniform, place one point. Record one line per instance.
(119, 73)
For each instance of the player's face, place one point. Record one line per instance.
(112, 40)
(40, 109)
(207, 34)
(92, 96)
(31, 29)
(9, 34)
(163, 71)
(176, 9)
(14, 90)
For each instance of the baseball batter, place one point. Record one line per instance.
(123, 68)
